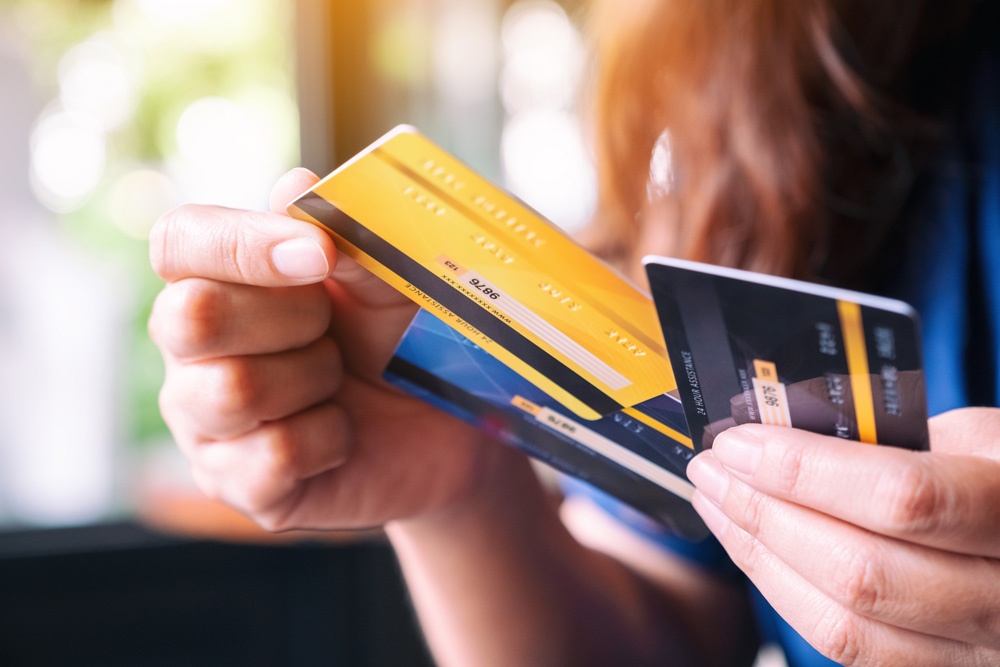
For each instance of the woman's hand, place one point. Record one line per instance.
(876, 555)
(274, 347)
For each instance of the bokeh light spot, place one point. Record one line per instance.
(67, 159)
(95, 79)
(546, 164)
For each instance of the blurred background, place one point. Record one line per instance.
(116, 110)
(113, 112)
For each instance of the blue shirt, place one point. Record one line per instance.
(951, 275)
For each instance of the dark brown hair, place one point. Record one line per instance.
(796, 127)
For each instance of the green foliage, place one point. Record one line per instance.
(200, 55)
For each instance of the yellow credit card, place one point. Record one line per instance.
(495, 271)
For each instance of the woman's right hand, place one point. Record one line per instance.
(274, 347)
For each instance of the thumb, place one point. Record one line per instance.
(245, 247)
(290, 186)
(362, 285)
(371, 315)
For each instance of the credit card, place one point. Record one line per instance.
(639, 456)
(751, 348)
(495, 271)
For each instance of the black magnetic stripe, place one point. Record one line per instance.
(432, 285)
(564, 454)
(437, 386)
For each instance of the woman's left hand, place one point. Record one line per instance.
(875, 555)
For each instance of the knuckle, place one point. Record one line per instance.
(166, 238)
(269, 503)
(281, 455)
(859, 580)
(241, 253)
(276, 522)
(333, 362)
(165, 401)
(188, 317)
(915, 502)
(155, 325)
(744, 546)
(233, 243)
(206, 483)
(271, 523)
(838, 635)
(987, 623)
(752, 555)
(252, 495)
(342, 436)
(253, 499)
(755, 511)
(789, 471)
(231, 389)
(159, 242)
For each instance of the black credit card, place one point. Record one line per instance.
(752, 348)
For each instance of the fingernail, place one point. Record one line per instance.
(709, 476)
(300, 259)
(738, 450)
(711, 514)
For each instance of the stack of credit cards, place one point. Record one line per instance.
(528, 336)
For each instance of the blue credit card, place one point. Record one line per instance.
(639, 455)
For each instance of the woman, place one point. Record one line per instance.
(815, 139)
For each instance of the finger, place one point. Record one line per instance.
(234, 246)
(371, 333)
(265, 473)
(969, 431)
(835, 631)
(224, 398)
(289, 187)
(939, 500)
(364, 287)
(355, 288)
(881, 578)
(199, 319)
(371, 314)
